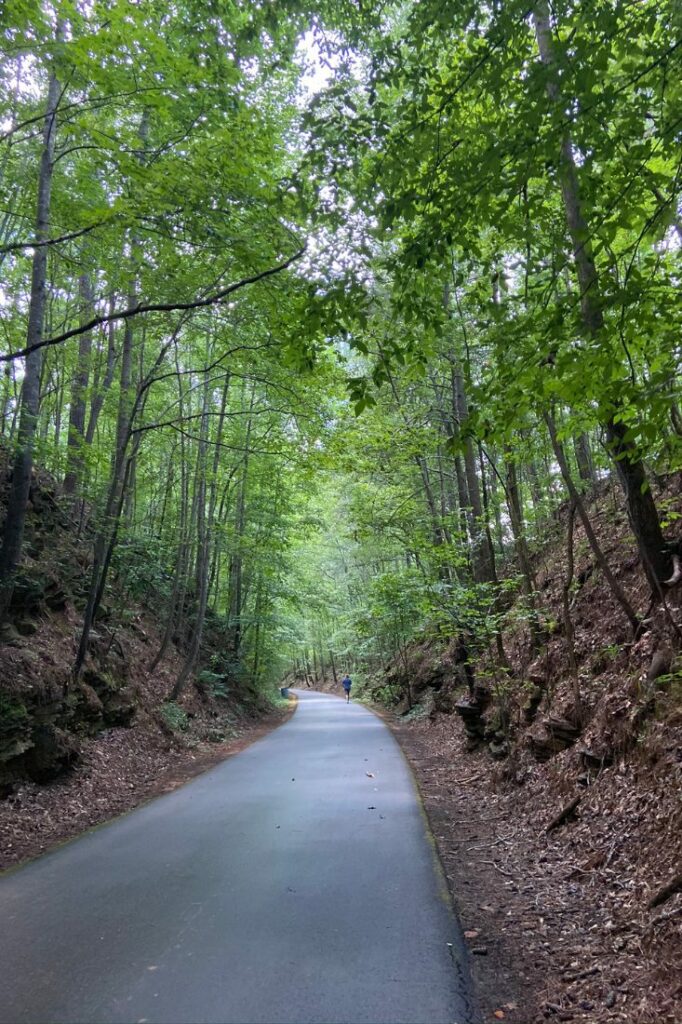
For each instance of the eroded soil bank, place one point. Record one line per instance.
(560, 924)
(119, 770)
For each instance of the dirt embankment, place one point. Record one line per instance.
(76, 753)
(555, 793)
(101, 767)
(118, 770)
(560, 924)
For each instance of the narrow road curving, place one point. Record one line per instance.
(296, 882)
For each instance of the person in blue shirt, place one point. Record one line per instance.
(346, 682)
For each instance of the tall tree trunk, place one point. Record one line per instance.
(214, 574)
(517, 525)
(533, 478)
(486, 515)
(101, 388)
(107, 530)
(125, 385)
(15, 519)
(676, 418)
(107, 534)
(516, 519)
(440, 534)
(256, 641)
(442, 489)
(176, 598)
(458, 412)
(566, 607)
(122, 464)
(6, 398)
(206, 507)
(583, 458)
(462, 496)
(306, 669)
(499, 643)
(166, 494)
(235, 572)
(16, 404)
(105, 541)
(76, 435)
(201, 566)
(480, 551)
(499, 496)
(641, 507)
(59, 402)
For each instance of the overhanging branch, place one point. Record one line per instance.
(154, 307)
(35, 244)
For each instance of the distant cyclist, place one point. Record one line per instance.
(346, 682)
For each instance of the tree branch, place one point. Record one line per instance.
(153, 307)
(35, 244)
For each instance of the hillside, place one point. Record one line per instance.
(74, 754)
(560, 826)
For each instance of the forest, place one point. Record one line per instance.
(345, 337)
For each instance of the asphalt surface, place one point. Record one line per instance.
(295, 882)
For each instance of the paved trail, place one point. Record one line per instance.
(293, 883)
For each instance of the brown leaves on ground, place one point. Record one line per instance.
(123, 767)
(118, 770)
(557, 867)
(564, 917)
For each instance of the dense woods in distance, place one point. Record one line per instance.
(320, 314)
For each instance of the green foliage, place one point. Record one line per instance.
(351, 453)
(174, 716)
(214, 685)
(387, 695)
(138, 562)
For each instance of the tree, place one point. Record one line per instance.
(15, 517)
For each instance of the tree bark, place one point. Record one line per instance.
(255, 668)
(181, 559)
(76, 434)
(206, 507)
(333, 665)
(6, 398)
(201, 567)
(15, 519)
(486, 514)
(102, 387)
(480, 551)
(517, 525)
(566, 606)
(235, 573)
(583, 458)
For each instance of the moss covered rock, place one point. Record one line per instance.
(53, 751)
(15, 728)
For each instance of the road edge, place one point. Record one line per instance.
(188, 767)
(445, 889)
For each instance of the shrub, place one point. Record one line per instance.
(174, 717)
(213, 684)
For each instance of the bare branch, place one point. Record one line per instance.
(35, 244)
(154, 307)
